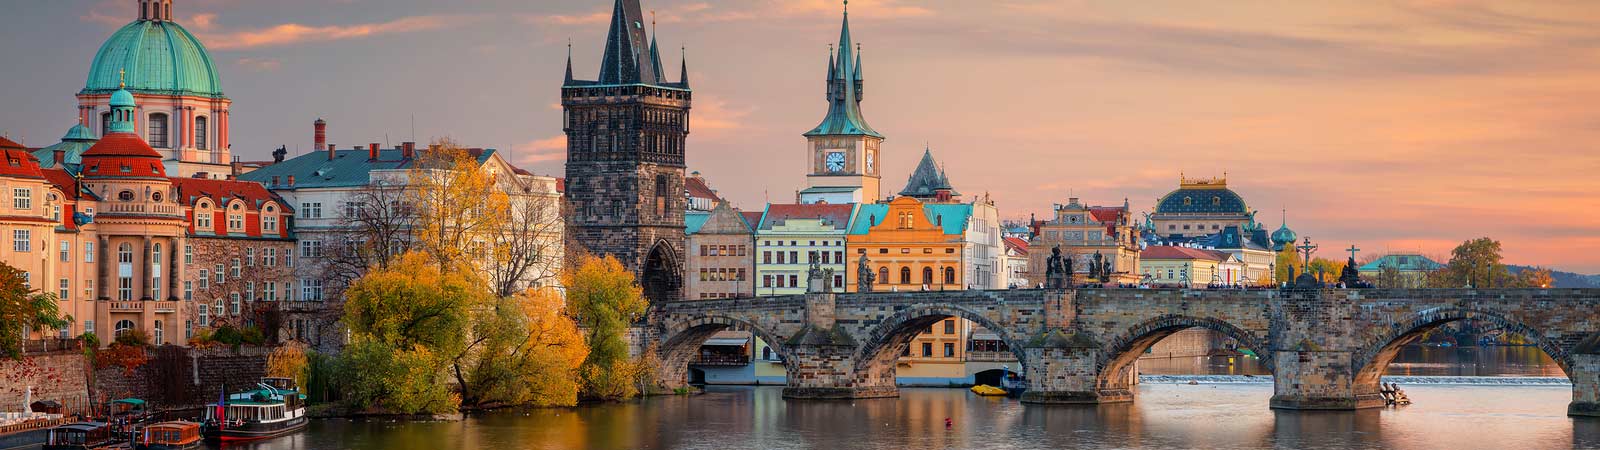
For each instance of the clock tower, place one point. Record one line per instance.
(843, 160)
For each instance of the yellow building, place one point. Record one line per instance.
(1081, 231)
(1173, 266)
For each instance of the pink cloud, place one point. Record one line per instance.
(259, 64)
(551, 149)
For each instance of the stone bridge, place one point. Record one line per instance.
(1325, 348)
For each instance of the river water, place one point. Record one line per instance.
(1165, 415)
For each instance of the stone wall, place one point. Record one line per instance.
(1187, 344)
(179, 377)
(58, 376)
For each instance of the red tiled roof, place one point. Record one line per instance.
(121, 144)
(561, 185)
(220, 191)
(752, 218)
(10, 144)
(1017, 244)
(838, 215)
(1105, 213)
(1174, 252)
(17, 162)
(63, 180)
(698, 189)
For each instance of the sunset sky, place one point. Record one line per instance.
(1406, 125)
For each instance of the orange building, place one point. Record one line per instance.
(909, 245)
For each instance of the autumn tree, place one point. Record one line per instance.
(532, 353)
(288, 361)
(1475, 263)
(1535, 277)
(22, 309)
(527, 248)
(408, 322)
(605, 300)
(459, 206)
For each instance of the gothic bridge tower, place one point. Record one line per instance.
(625, 157)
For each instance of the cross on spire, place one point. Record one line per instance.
(1353, 250)
(122, 78)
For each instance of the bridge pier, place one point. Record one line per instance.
(1585, 385)
(829, 372)
(1319, 380)
(1063, 370)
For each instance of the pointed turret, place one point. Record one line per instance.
(569, 65)
(655, 52)
(627, 58)
(860, 94)
(928, 182)
(683, 70)
(844, 110)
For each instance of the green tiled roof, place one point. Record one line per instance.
(1403, 263)
(347, 168)
(952, 216)
(693, 220)
(159, 57)
(77, 141)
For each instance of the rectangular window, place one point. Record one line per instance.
(125, 288)
(311, 210)
(235, 221)
(88, 289)
(188, 329)
(794, 280)
(155, 288)
(205, 319)
(188, 254)
(88, 252)
(21, 240)
(249, 291)
(88, 327)
(288, 259)
(838, 257)
(205, 279)
(766, 281)
(234, 297)
(949, 326)
(188, 290)
(233, 270)
(249, 258)
(269, 257)
(794, 257)
(780, 257)
(270, 292)
(66, 251)
(927, 349)
(22, 198)
(311, 290)
(202, 221)
(64, 291)
(310, 249)
(766, 257)
(269, 223)
(949, 350)
(221, 274)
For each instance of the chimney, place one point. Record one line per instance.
(372, 151)
(330, 153)
(60, 157)
(274, 181)
(291, 180)
(234, 168)
(320, 136)
(408, 149)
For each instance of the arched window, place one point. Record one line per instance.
(200, 132)
(235, 217)
(949, 275)
(123, 326)
(202, 217)
(105, 124)
(883, 274)
(1216, 201)
(927, 275)
(126, 196)
(905, 275)
(1188, 201)
(158, 131)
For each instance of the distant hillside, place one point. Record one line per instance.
(1566, 279)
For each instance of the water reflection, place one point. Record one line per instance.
(1166, 415)
(1413, 360)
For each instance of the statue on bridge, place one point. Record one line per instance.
(818, 280)
(864, 275)
(1099, 271)
(1058, 270)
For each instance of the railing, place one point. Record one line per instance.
(139, 208)
(298, 306)
(165, 307)
(51, 345)
(127, 307)
(34, 424)
(720, 360)
(990, 356)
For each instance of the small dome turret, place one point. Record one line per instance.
(1284, 236)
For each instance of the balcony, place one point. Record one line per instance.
(139, 208)
(720, 360)
(165, 307)
(127, 307)
(976, 356)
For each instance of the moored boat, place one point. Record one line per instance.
(175, 435)
(987, 390)
(79, 436)
(275, 408)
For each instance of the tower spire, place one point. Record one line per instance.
(655, 52)
(627, 57)
(569, 62)
(844, 93)
(683, 74)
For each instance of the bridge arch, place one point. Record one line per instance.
(1115, 363)
(1374, 356)
(877, 354)
(680, 341)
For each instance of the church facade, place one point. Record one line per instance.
(626, 134)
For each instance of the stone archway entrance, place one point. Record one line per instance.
(662, 279)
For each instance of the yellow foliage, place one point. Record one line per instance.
(458, 205)
(288, 361)
(604, 298)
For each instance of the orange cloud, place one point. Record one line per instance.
(551, 149)
(294, 33)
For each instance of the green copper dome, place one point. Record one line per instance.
(122, 98)
(159, 57)
(72, 146)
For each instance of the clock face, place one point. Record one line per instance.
(834, 162)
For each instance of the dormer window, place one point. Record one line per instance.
(1188, 201)
(202, 217)
(126, 168)
(1216, 201)
(126, 196)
